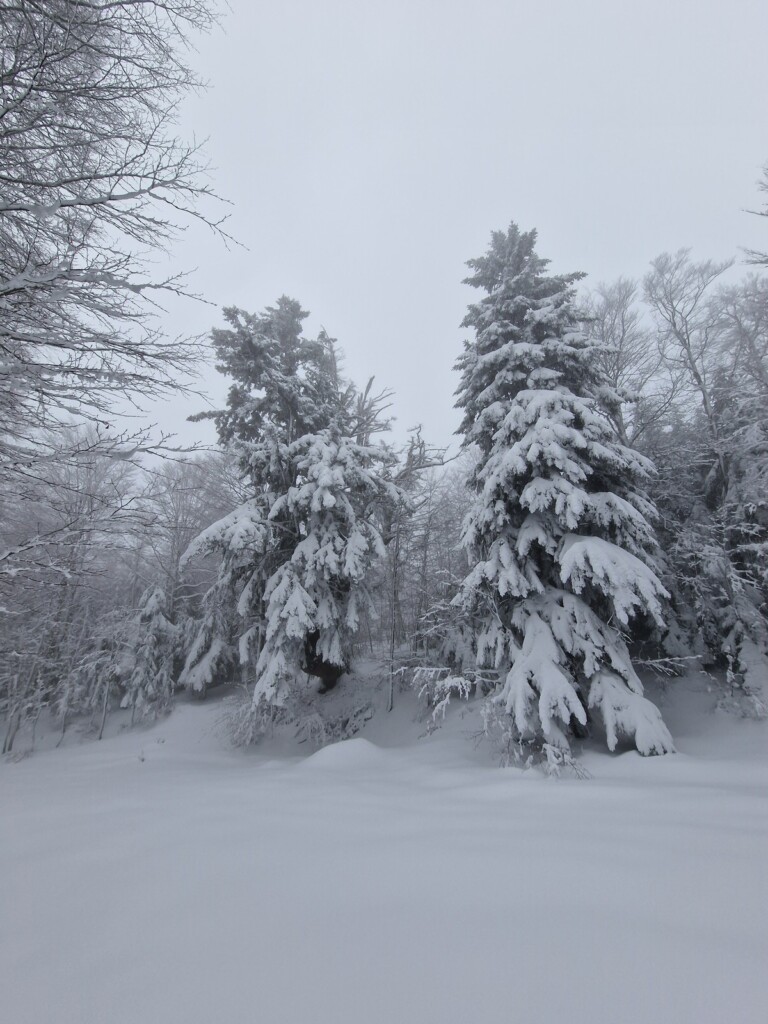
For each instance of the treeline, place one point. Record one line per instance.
(693, 356)
(610, 503)
(123, 583)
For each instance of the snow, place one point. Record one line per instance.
(621, 576)
(162, 876)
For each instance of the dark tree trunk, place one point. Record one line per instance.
(316, 665)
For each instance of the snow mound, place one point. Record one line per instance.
(345, 755)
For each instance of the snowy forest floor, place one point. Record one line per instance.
(162, 877)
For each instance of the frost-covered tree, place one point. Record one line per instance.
(95, 182)
(295, 555)
(65, 545)
(314, 600)
(713, 484)
(632, 361)
(761, 256)
(560, 537)
(149, 688)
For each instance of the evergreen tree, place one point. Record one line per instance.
(295, 555)
(149, 689)
(207, 640)
(560, 536)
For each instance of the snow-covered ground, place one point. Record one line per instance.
(159, 877)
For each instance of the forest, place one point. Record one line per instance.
(607, 510)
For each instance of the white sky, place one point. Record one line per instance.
(371, 146)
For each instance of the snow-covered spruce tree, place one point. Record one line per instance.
(560, 538)
(296, 553)
(207, 639)
(149, 689)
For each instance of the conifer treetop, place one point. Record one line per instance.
(524, 325)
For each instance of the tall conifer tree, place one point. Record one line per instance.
(295, 554)
(559, 539)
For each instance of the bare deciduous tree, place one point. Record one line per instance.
(62, 577)
(755, 255)
(716, 338)
(632, 361)
(93, 182)
(680, 294)
(744, 333)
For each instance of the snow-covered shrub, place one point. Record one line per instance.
(437, 687)
(728, 625)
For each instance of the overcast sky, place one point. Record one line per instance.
(369, 149)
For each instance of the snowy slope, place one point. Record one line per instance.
(159, 876)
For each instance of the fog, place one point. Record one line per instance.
(368, 150)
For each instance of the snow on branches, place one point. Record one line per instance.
(560, 536)
(149, 688)
(295, 556)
